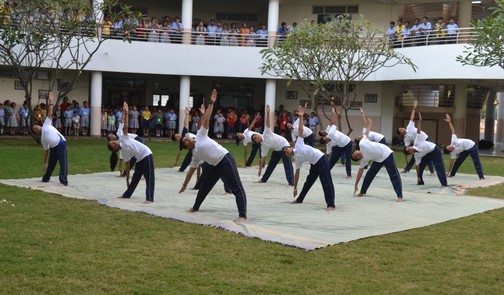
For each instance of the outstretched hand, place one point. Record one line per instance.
(50, 96)
(361, 111)
(301, 110)
(448, 118)
(202, 109)
(415, 103)
(125, 106)
(419, 116)
(268, 108)
(182, 189)
(186, 110)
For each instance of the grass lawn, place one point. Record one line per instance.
(50, 244)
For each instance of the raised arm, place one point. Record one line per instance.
(252, 124)
(209, 110)
(363, 117)
(448, 120)
(368, 127)
(50, 97)
(186, 119)
(125, 114)
(415, 105)
(419, 127)
(333, 115)
(301, 110)
(268, 120)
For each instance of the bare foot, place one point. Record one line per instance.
(192, 210)
(400, 200)
(348, 176)
(259, 181)
(359, 195)
(404, 171)
(295, 202)
(121, 197)
(330, 209)
(148, 202)
(240, 220)
(432, 174)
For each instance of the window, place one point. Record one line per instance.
(160, 99)
(329, 13)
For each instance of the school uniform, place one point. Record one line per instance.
(53, 141)
(381, 155)
(319, 167)
(68, 114)
(375, 136)
(409, 138)
(307, 133)
(339, 145)
(277, 143)
(463, 148)
(84, 117)
(132, 136)
(188, 157)
(429, 152)
(144, 167)
(247, 138)
(222, 165)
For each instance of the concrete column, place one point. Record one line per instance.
(187, 16)
(490, 116)
(460, 109)
(387, 100)
(270, 98)
(185, 93)
(273, 15)
(465, 13)
(499, 136)
(97, 6)
(96, 103)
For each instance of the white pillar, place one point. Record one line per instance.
(387, 101)
(465, 13)
(98, 5)
(270, 98)
(460, 109)
(96, 103)
(499, 136)
(185, 92)
(187, 18)
(273, 15)
(490, 116)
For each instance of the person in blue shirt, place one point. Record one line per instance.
(262, 35)
(452, 30)
(282, 32)
(391, 34)
(24, 118)
(84, 118)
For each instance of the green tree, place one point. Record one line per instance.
(330, 61)
(487, 46)
(60, 35)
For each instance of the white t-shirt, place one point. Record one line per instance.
(460, 144)
(372, 151)
(131, 148)
(294, 133)
(373, 136)
(422, 146)
(119, 134)
(272, 141)
(50, 136)
(207, 149)
(247, 136)
(411, 134)
(305, 153)
(338, 138)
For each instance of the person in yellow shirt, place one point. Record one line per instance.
(399, 28)
(440, 30)
(146, 117)
(106, 26)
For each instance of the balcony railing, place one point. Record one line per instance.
(462, 36)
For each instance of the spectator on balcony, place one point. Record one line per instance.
(234, 33)
(244, 31)
(224, 35)
(251, 37)
(262, 36)
(406, 34)
(141, 30)
(424, 30)
(293, 28)
(398, 30)
(176, 30)
(452, 30)
(391, 34)
(219, 32)
(154, 27)
(415, 34)
(200, 32)
(164, 36)
(282, 31)
(106, 26)
(212, 33)
(440, 31)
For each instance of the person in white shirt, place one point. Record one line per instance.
(221, 165)
(307, 132)
(462, 148)
(426, 152)
(270, 140)
(371, 135)
(319, 167)
(55, 146)
(381, 155)
(409, 134)
(246, 137)
(338, 143)
(145, 162)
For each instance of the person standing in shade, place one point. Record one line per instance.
(55, 146)
(409, 134)
(426, 152)
(462, 148)
(145, 162)
(381, 155)
(270, 140)
(221, 165)
(319, 167)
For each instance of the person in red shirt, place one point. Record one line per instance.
(231, 121)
